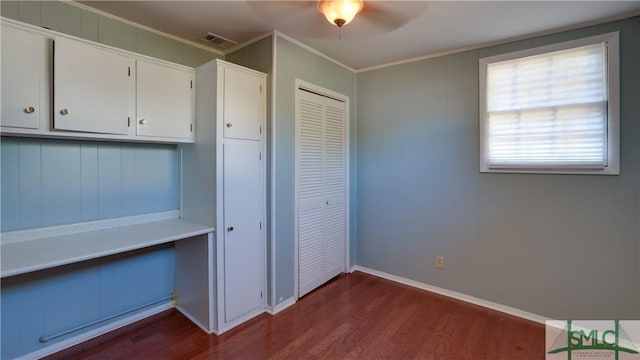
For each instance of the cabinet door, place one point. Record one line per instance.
(164, 101)
(23, 65)
(93, 88)
(243, 250)
(243, 104)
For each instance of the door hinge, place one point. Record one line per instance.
(260, 225)
(191, 84)
(260, 155)
(260, 129)
(128, 122)
(260, 294)
(191, 127)
(260, 89)
(129, 71)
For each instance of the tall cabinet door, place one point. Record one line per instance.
(23, 78)
(321, 189)
(243, 255)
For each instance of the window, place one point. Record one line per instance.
(552, 109)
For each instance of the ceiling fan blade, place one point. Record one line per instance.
(302, 15)
(282, 10)
(391, 15)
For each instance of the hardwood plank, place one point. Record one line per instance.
(355, 316)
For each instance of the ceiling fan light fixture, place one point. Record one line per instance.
(339, 12)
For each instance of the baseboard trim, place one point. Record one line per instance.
(196, 322)
(224, 327)
(455, 295)
(59, 346)
(282, 306)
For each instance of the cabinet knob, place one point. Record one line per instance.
(230, 229)
(29, 109)
(229, 125)
(65, 112)
(143, 121)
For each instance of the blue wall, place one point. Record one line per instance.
(294, 62)
(54, 182)
(562, 246)
(46, 302)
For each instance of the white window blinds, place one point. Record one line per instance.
(548, 110)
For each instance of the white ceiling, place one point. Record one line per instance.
(384, 32)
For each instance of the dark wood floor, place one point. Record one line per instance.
(356, 316)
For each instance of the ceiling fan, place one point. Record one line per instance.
(339, 12)
(363, 17)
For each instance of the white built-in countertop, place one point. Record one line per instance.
(25, 256)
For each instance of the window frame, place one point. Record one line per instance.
(612, 41)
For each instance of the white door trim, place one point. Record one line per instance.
(301, 84)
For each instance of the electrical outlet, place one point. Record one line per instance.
(440, 262)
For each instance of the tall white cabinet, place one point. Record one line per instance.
(321, 188)
(226, 188)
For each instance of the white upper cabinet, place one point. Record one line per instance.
(93, 88)
(58, 86)
(165, 101)
(243, 105)
(24, 68)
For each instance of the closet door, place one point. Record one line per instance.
(321, 189)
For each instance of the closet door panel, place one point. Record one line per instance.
(310, 192)
(334, 188)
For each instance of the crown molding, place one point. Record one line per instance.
(248, 42)
(142, 27)
(505, 41)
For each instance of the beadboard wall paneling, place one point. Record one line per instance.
(52, 182)
(47, 302)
